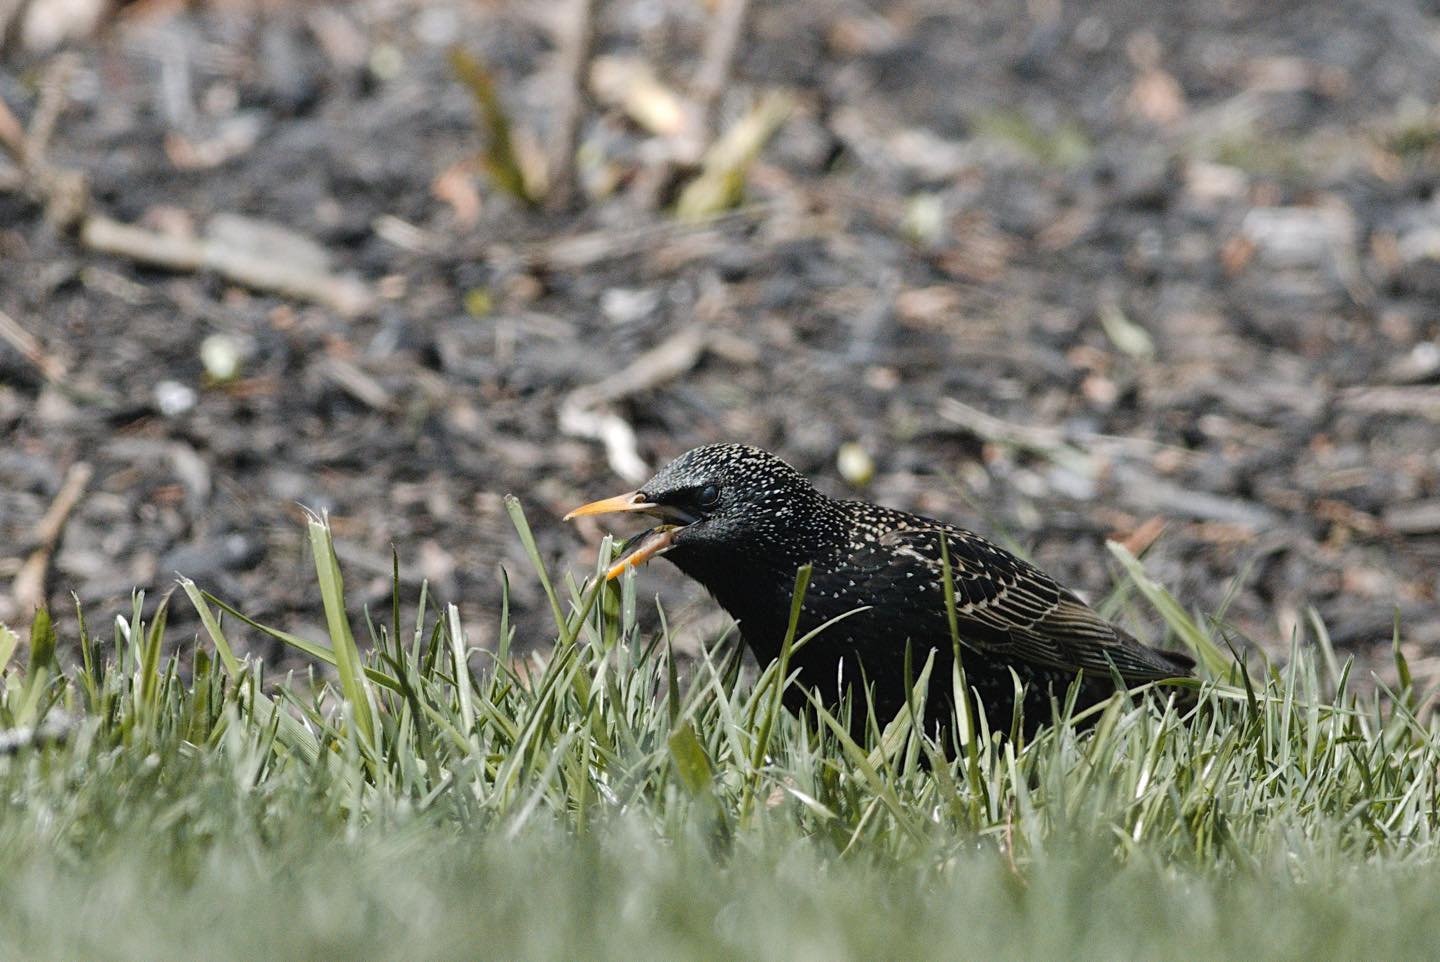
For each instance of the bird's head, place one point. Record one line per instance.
(721, 503)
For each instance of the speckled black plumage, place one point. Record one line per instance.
(748, 521)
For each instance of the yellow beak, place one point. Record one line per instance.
(634, 501)
(653, 542)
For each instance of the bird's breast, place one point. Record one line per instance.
(757, 593)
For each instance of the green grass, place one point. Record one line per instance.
(409, 799)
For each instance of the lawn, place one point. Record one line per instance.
(410, 798)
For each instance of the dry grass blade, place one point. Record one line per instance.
(720, 185)
(501, 161)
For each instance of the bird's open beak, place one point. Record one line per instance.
(634, 501)
(642, 547)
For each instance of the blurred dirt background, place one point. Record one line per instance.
(1162, 272)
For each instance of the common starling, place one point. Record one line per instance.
(742, 522)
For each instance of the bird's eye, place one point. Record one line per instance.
(709, 496)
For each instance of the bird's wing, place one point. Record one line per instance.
(1006, 606)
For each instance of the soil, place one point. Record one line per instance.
(1161, 272)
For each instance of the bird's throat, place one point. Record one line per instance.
(755, 590)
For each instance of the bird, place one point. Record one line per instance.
(742, 522)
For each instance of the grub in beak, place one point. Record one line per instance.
(643, 547)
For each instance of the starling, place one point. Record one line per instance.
(742, 522)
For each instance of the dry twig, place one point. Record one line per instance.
(30, 348)
(579, 251)
(28, 589)
(1419, 400)
(1048, 442)
(579, 414)
(719, 57)
(64, 192)
(666, 361)
(12, 135)
(53, 89)
(355, 382)
(287, 277)
(576, 36)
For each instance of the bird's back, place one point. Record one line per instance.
(886, 582)
(1004, 606)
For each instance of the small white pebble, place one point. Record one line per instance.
(855, 464)
(220, 353)
(173, 398)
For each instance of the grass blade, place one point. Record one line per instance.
(348, 664)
